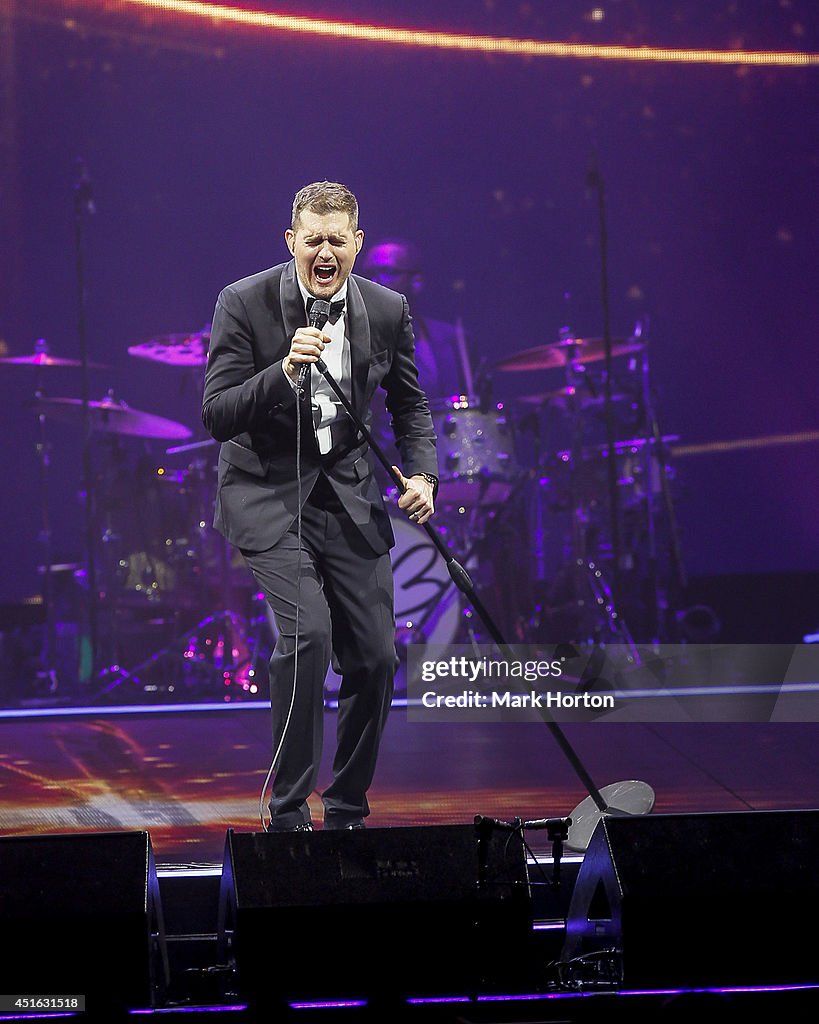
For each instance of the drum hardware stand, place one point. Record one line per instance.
(461, 579)
(48, 671)
(463, 356)
(84, 204)
(605, 602)
(594, 180)
(581, 564)
(224, 637)
(655, 453)
(539, 532)
(221, 645)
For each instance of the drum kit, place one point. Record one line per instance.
(528, 497)
(499, 507)
(590, 536)
(157, 564)
(602, 524)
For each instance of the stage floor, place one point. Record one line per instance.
(186, 774)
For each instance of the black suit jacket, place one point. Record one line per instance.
(249, 405)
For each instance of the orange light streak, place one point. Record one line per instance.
(428, 39)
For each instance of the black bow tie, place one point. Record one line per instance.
(336, 308)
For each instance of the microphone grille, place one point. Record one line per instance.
(319, 312)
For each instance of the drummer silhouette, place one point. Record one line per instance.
(440, 348)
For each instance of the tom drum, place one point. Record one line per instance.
(475, 453)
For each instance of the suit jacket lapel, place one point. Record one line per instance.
(358, 327)
(294, 316)
(293, 312)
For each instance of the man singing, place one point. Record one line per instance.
(310, 520)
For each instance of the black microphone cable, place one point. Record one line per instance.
(319, 315)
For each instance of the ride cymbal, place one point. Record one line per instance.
(45, 359)
(577, 350)
(114, 417)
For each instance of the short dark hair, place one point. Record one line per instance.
(325, 197)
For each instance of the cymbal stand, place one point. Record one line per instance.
(594, 179)
(84, 204)
(573, 381)
(586, 575)
(48, 670)
(654, 455)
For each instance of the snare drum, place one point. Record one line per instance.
(475, 453)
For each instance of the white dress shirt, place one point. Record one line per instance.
(327, 409)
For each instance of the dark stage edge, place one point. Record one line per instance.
(201, 990)
(191, 897)
(729, 1007)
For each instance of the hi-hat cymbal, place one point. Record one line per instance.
(114, 417)
(175, 349)
(45, 359)
(577, 350)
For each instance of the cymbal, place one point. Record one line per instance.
(175, 349)
(578, 350)
(630, 446)
(114, 417)
(562, 397)
(44, 359)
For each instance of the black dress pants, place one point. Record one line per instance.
(344, 593)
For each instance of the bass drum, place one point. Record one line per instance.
(427, 603)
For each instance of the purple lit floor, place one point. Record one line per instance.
(186, 776)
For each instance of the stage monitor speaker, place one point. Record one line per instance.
(696, 900)
(376, 914)
(82, 916)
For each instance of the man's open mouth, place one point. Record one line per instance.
(325, 273)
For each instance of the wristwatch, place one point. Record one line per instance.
(430, 479)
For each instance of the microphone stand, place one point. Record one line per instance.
(462, 581)
(84, 203)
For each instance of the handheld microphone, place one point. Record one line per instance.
(319, 315)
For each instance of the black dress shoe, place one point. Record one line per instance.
(354, 825)
(338, 826)
(305, 826)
